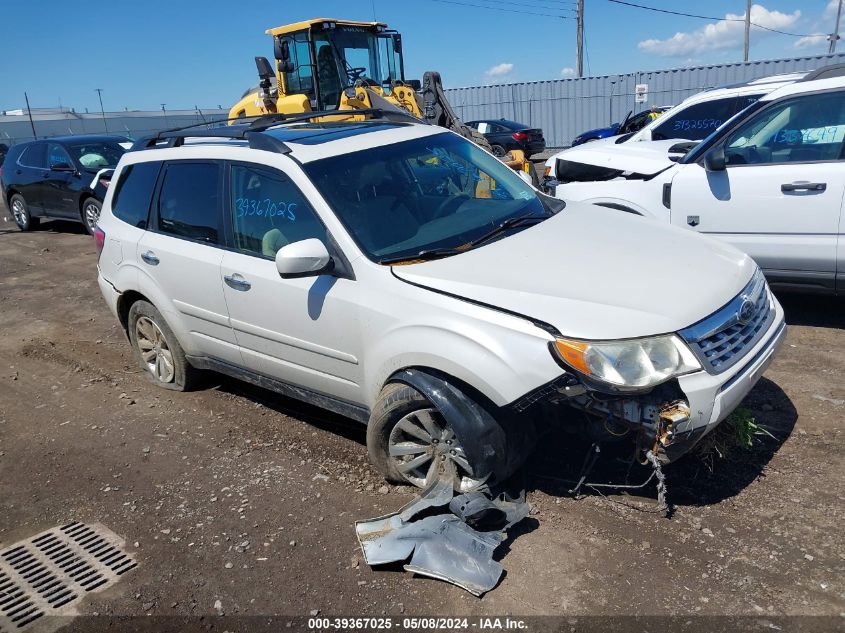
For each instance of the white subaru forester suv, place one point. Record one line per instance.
(400, 275)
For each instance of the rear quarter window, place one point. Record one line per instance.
(34, 155)
(699, 120)
(133, 193)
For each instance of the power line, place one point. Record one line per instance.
(710, 18)
(523, 4)
(481, 6)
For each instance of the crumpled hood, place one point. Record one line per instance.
(595, 273)
(641, 157)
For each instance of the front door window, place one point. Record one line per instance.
(804, 129)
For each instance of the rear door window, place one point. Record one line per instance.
(697, 121)
(133, 193)
(34, 156)
(189, 201)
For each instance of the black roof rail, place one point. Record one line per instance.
(176, 138)
(251, 131)
(825, 72)
(266, 121)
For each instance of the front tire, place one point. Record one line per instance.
(407, 438)
(20, 212)
(157, 350)
(91, 209)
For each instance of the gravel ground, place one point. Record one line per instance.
(237, 501)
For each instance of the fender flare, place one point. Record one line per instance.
(488, 449)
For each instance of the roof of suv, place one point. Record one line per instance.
(303, 140)
(825, 81)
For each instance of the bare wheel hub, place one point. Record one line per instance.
(420, 442)
(154, 350)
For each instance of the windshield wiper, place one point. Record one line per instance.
(507, 225)
(436, 253)
(426, 254)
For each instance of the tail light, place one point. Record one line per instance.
(99, 240)
(520, 136)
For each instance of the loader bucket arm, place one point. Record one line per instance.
(438, 111)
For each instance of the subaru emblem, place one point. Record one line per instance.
(746, 311)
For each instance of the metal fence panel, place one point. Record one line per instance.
(15, 128)
(564, 108)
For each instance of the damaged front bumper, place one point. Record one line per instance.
(672, 418)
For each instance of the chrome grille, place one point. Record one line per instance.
(722, 339)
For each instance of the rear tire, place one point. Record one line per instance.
(157, 350)
(20, 212)
(91, 208)
(498, 151)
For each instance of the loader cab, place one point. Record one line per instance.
(321, 58)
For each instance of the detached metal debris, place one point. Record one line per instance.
(444, 535)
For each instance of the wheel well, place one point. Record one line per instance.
(473, 392)
(125, 303)
(82, 200)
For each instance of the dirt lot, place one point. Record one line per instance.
(232, 494)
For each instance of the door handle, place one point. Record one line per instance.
(150, 258)
(803, 186)
(237, 282)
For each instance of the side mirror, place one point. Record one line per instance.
(714, 160)
(306, 258)
(281, 49)
(62, 167)
(265, 70)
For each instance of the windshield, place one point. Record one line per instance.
(696, 152)
(438, 192)
(354, 53)
(697, 121)
(96, 155)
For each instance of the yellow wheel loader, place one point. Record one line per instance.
(339, 65)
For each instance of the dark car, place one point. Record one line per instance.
(4, 149)
(64, 177)
(632, 123)
(504, 135)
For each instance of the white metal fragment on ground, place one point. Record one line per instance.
(444, 536)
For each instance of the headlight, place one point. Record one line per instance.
(633, 363)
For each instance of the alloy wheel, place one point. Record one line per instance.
(420, 441)
(19, 212)
(92, 214)
(154, 350)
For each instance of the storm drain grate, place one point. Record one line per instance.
(49, 573)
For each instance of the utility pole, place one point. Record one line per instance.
(102, 111)
(835, 35)
(29, 112)
(748, 30)
(579, 58)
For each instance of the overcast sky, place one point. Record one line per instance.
(144, 53)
